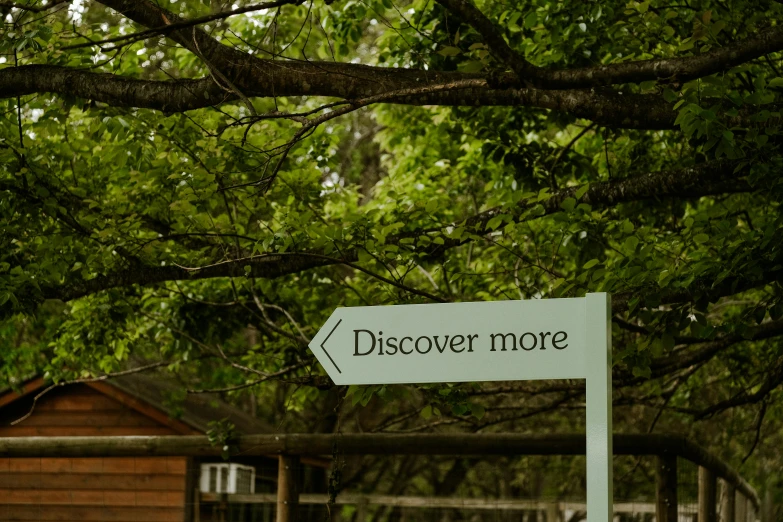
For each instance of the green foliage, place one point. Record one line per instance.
(90, 191)
(223, 433)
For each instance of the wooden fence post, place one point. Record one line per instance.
(552, 512)
(287, 488)
(197, 505)
(728, 503)
(767, 506)
(707, 496)
(666, 489)
(362, 511)
(742, 508)
(223, 507)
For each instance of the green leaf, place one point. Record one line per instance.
(581, 191)
(590, 264)
(494, 223)
(450, 51)
(471, 66)
(701, 238)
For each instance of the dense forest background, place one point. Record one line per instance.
(188, 189)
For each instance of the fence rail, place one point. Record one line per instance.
(291, 447)
(435, 502)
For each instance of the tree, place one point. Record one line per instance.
(195, 186)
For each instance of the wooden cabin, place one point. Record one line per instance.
(148, 489)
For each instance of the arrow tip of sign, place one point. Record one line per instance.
(324, 347)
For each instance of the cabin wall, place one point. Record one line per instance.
(151, 489)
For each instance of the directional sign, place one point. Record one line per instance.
(486, 341)
(454, 342)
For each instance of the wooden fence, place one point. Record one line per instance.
(362, 502)
(737, 503)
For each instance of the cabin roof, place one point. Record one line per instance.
(156, 396)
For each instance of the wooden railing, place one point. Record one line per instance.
(362, 502)
(739, 503)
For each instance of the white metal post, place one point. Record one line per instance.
(598, 330)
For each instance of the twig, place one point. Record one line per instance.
(165, 29)
(328, 258)
(268, 377)
(261, 306)
(363, 102)
(562, 152)
(31, 8)
(214, 71)
(86, 380)
(759, 423)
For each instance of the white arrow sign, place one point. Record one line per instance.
(486, 341)
(454, 342)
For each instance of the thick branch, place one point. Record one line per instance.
(347, 81)
(259, 77)
(266, 78)
(700, 180)
(114, 90)
(668, 70)
(671, 69)
(669, 364)
(706, 287)
(773, 381)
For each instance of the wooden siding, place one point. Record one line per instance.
(141, 489)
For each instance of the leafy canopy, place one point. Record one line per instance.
(193, 187)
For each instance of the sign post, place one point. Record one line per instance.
(486, 341)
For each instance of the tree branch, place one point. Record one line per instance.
(345, 81)
(493, 37)
(773, 380)
(32, 8)
(558, 89)
(669, 70)
(666, 70)
(268, 377)
(112, 89)
(666, 365)
(100, 378)
(697, 180)
(167, 28)
(259, 77)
